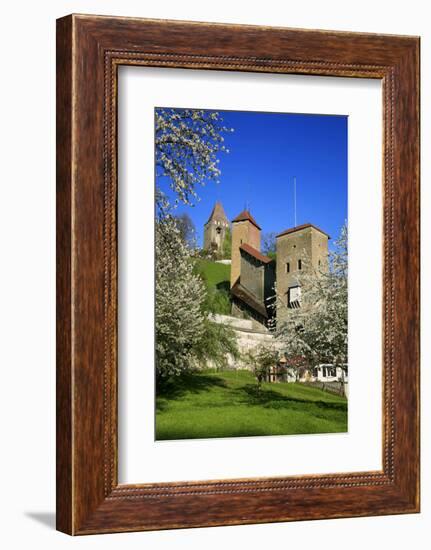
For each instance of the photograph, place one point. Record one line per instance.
(251, 273)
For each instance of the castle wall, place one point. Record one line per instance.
(243, 232)
(249, 335)
(241, 311)
(252, 276)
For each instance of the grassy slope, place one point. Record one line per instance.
(217, 281)
(227, 404)
(213, 273)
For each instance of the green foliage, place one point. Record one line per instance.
(217, 301)
(187, 229)
(262, 359)
(228, 404)
(227, 244)
(217, 281)
(218, 342)
(269, 246)
(213, 273)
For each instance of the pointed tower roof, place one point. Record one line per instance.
(218, 213)
(246, 216)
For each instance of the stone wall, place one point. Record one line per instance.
(252, 275)
(248, 338)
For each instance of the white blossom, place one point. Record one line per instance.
(317, 332)
(187, 142)
(179, 298)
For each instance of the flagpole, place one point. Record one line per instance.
(294, 197)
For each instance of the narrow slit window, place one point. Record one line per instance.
(299, 264)
(287, 267)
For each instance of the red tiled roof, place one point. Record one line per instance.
(255, 253)
(246, 216)
(248, 298)
(299, 227)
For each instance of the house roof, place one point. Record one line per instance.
(255, 253)
(218, 213)
(249, 299)
(246, 216)
(299, 228)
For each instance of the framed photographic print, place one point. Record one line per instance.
(237, 274)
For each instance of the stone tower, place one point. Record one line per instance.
(245, 230)
(215, 229)
(299, 249)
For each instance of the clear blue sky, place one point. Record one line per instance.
(266, 151)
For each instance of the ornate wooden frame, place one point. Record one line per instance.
(89, 51)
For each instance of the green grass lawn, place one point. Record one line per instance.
(217, 280)
(213, 273)
(228, 404)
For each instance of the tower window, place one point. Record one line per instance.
(287, 267)
(294, 297)
(299, 264)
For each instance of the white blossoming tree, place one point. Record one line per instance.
(317, 331)
(179, 297)
(187, 143)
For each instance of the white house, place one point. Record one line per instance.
(327, 372)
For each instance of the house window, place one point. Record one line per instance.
(299, 264)
(287, 267)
